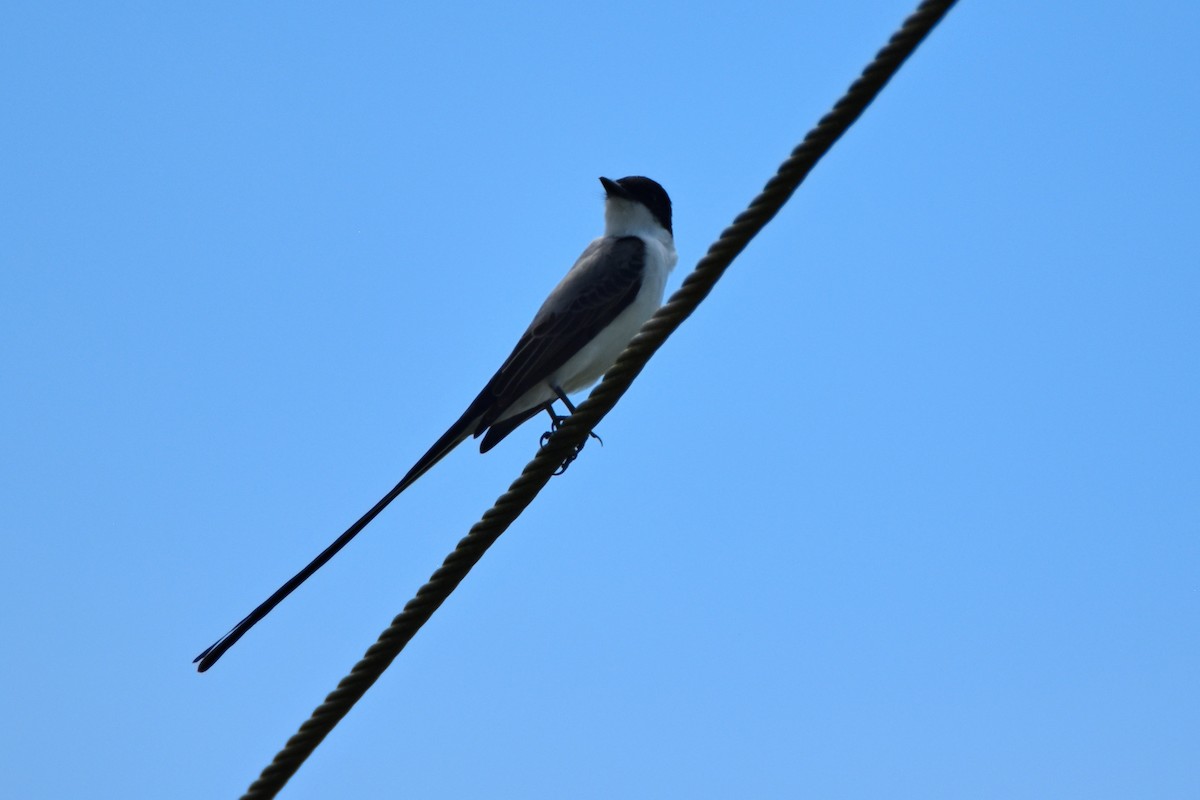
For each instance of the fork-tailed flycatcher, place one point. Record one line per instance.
(574, 338)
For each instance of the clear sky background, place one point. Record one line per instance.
(909, 508)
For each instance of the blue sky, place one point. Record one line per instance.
(909, 508)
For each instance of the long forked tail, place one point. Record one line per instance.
(450, 439)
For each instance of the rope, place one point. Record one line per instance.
(602, 399)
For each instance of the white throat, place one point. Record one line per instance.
(629, 218)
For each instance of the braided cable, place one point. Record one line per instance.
(616, 381)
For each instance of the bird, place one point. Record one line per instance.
(615, 285)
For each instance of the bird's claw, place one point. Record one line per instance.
(555, 424)
(567, 461)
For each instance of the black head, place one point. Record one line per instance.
(644, 191)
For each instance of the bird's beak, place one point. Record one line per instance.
(614, 189)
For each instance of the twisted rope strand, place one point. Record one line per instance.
(616, 381)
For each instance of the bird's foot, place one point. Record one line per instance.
(555, 424)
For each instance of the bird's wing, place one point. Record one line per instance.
(602, 284)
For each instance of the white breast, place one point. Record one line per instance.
(594, 359)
